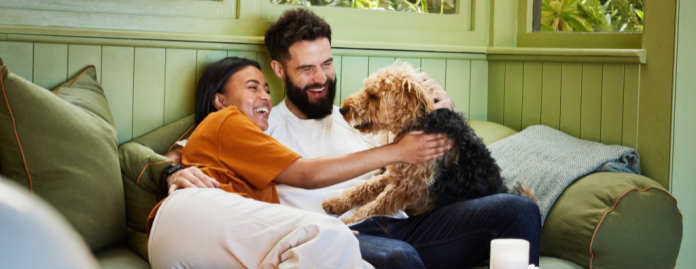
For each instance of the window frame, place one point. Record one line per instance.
(529, 39)
(460, 32)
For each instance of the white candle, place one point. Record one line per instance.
(509, 254)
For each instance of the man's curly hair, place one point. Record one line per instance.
(294, 25)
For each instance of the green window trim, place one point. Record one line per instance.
(527, 38)
(567, 55)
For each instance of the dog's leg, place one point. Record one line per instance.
(389, 202)
(356, 196)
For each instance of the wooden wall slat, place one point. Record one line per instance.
(81, 56)
(377, 63)
(117, 81)
(514, 76)
(436, 69)
(630, 109)
(179, 87)
(206, 57)
(591, 104)
(337, 68)
(50, 64)
(612, 103)
(571, 95)
(416, 62)
(458, 83)
(19, 58)
(496, 91)
(148, 90)
(551, 95)
(274, 83)
(478, 104)
(531, 98)
(251, 55)
(353, 71)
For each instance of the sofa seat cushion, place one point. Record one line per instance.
(490, 132)
(62, 146)
(120, 256)
(614, 220)
(556, 263)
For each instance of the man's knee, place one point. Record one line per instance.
(386, 253)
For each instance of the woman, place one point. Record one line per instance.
(241, 224)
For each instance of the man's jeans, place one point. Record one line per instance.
(454, 236)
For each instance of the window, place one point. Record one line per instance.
(414, 6)
(588, 16)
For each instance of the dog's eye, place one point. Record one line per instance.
(372, 96)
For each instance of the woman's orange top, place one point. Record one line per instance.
(231, 148)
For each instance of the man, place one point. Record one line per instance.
(454, 236)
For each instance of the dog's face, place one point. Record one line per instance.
(393, 98)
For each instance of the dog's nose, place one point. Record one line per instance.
(343, 111)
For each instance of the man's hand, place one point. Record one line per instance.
(175, 155)
(190, 177)
(417, 147)
(443, 100)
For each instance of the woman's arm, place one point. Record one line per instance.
(414, 147)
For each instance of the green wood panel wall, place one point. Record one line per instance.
(496, 91)
(179, 87)
(117, 81)
(148, 87)
(551, 95)
(571, 96)
(593, 101)
(337, 61)
(531, 103)
(148, 90)
(353, 71)
(435, 68)
(377, 63)
(50, 64)
(514, 76)
(457, 84)
(630, 110)
(274, 83)
(478, 103)
(612, 104)
(82, 56)
(416, 62)
(19, 57)
(206, 57)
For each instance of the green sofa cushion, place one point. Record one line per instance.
(490, 132)
(614, 220)
(142, 165)
(62, 146)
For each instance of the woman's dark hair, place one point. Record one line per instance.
(293, 26)
(213, 81)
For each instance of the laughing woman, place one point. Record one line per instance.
(241, 224)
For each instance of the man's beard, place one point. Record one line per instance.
(317, 110)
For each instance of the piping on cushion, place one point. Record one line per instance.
(182, 136)
(148, 164)
(78, 77)
(14, 125)
(612, 209)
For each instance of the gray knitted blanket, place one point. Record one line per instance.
(548, 160)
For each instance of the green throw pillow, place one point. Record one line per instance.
(614, 220)
(62, 146)
(142, 165)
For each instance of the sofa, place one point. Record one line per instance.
(63, 148)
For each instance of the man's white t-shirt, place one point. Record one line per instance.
(330, 136)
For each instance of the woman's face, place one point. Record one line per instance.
(247, 89)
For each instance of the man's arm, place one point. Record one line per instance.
(439, 94)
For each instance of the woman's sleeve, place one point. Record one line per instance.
(255, 156)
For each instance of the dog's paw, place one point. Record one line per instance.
(335, 206)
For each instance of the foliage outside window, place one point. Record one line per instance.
(416, 6)
(588, 15)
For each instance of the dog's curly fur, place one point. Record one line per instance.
(395, 100)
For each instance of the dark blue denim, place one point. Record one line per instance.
(454, 236)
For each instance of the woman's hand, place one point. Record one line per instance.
(190, 177)
(417, 147)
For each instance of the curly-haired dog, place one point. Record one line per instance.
(395, 100)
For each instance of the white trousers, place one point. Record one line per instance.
(210, 228)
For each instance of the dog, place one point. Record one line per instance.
(395, 100)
